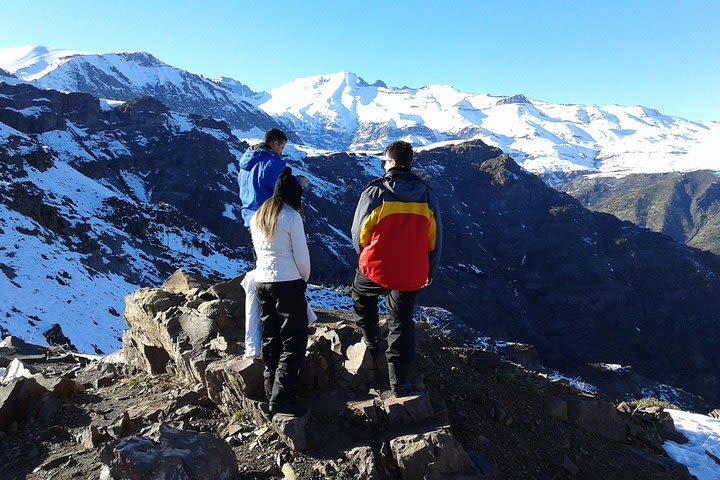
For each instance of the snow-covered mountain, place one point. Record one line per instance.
(342, 111)
(89, 213)
(125, 76)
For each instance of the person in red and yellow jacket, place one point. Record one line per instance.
(397, 232)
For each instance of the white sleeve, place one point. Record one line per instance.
(299, 247)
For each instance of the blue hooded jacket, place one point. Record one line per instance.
(259, 170)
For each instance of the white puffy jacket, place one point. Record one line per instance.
(285, 257)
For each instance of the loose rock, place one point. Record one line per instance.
(170, 454)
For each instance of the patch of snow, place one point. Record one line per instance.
(666, 393)
(35, 299)
(328, 299)
(252, 136)
(229, 211)
(117, 356)
(614, 367)
(136, 185)
(179, 123)
(15, 371)
(703, 433)
(576, 382)
(107, 105)
(30, 111)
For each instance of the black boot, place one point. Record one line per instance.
(404, 380)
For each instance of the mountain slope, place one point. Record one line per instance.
(88, 211)
(684, 206)
(125, 76)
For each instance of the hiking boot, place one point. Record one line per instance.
(291, 409)
(404, 380)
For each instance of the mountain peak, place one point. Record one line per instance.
(144, 59)
(29, 60)
(518, 98)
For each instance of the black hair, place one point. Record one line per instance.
(273, 135)
(401, 152)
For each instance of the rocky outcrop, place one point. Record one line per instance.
(27, 393)
(55, 337)
(166, 452)
(207, 411)
(433, 455)
(172, 327)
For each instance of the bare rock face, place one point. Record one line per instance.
(432, 455)
(230, 380)
(291, 430)
(173, 326)
(19, 399)
(596, 415)
(408, 409)
(592, 414)
(366, 463)
(171, 454)
(62, 386)
(24, 393)
(183, 283)
(55, 336)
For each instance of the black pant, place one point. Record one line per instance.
(285, 334)
(400, 351)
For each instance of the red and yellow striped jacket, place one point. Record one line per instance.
(397, 231)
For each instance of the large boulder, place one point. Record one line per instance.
(18, 346)
(230, 380)
(170, 454)
(55, 337)
(434, 455)
(19, 399)
(183, 282)
(171, 327)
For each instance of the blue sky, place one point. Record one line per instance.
(662, 54)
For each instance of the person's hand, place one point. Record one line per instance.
(303, 180)
(427, 282)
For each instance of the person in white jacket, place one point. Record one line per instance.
(282, 271)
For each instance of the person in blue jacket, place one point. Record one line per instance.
(260, 168)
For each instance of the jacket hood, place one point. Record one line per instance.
(405, 185)
(251, 157)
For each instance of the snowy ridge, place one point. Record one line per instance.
(341, 111)
(32, 61)
(128, 75)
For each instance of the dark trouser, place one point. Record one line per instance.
(400, 351)
(285, 334)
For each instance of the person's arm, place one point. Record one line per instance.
(299, 247)
(363, 225)
(435, 235)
